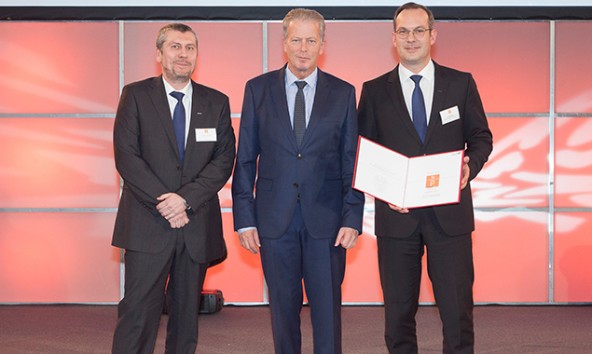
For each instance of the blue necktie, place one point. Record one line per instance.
(299, 112)
(418, 110)
(179, 123)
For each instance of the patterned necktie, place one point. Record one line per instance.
(418, 110)
(179, 123)
(299, 112)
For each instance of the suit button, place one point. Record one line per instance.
(299, 156)
(179, 168)
(296, 185)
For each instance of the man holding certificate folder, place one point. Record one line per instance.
(422, 108)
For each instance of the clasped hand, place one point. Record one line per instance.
(173, 207)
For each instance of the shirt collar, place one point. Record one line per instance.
(427, 72)
(311, 80)
(187, 90)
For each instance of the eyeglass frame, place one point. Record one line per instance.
(419, 30)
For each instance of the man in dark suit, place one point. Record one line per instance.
(453, 119)
(298, 135)
(174, 149)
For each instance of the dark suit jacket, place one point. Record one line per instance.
(147, 159)
(319, 172)
(384, 118)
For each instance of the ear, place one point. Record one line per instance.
(158, 55)
(433, 35)
(394, 39)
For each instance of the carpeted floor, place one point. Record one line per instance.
(72, 329)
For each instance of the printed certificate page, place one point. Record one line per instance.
(407, 182)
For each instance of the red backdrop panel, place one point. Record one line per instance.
(510, 251)
(57, 68)
(58, 257)
(358, 52)
(509, 60)
(225, 194)
(573, 87)
(573, 247)
(573, 162)
(228, 55)
(517, 173)
(240, 276)
(362, 281)
(57, 163)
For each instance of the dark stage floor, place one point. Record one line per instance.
(68, 329)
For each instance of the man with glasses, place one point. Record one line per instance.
(422, 108)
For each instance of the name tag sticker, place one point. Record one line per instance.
(449, 115)
(205, 134)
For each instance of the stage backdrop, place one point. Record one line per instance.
(59, 189)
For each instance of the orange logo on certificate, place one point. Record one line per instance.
(432, 181)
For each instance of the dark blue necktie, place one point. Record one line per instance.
(418, 110)
(299, 112)
(179, 123)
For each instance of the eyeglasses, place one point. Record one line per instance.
(418, 32)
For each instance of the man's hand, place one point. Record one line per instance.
(346, 237)
(179, 220)
(249, 239)
(171, 205)
(466, 171)
(398, 209)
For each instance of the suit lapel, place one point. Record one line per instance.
(161, 106)
(322, 94)
(198, 112)
(440, 89)
(395, 92)
(279, 101)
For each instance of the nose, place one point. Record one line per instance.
(411, 37)
(303, 46)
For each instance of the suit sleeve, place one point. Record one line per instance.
(479, 141)
(246, 165)
(353, 201)
(212, 177)
(366, 124)
(134, 170)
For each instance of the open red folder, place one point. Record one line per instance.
(407, 182)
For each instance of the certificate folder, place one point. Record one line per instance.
(407, 182)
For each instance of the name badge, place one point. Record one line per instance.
(205, 135)
(449, 115)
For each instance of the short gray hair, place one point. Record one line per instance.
(304, 15)
(179, 27)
